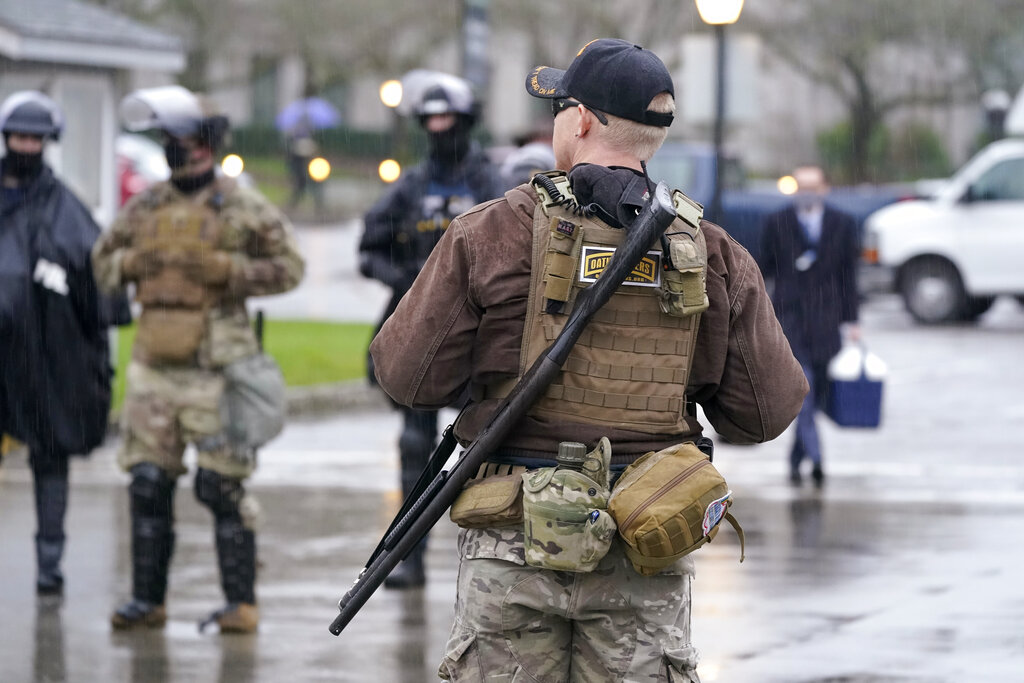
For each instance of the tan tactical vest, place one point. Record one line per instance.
(630, 367)
(175, 302)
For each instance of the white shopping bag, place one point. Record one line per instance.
(853, 362)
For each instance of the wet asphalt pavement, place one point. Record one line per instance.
(906, 567)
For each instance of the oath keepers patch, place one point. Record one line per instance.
(647, 272)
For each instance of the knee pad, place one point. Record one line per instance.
(219, 493)
(151, 491)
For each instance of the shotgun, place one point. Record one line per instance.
(417, 518)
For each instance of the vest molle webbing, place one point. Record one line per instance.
(630, 366)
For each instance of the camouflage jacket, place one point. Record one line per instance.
(257, 237)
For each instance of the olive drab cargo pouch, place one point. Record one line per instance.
(668, 504)
(169, 335)
(684, 280)
(565, 521)
(490, 499)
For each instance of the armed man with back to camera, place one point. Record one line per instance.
(194, 247)
(54, 354)
(402, 229)
(547, 588)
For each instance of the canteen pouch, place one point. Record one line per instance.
(668, 504)
(489, 502)
(170, 335)
(565, 521)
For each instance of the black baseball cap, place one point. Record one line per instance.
(610, 75)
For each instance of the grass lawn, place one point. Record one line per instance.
(309, 352)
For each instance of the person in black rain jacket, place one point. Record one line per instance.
(54, 351)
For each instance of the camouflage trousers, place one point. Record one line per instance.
(166, 408)
(514, 622)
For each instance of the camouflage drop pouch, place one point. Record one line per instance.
(566, 524)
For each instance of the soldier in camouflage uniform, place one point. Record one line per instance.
(489, 301)
(194, 247)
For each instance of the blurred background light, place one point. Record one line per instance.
(391, 93)
(232, 165)
(389, 170)
(319, 169)
(787, 184)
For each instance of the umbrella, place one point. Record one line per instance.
(307, 115)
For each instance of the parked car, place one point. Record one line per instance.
(745, 204)
(140, 163)
(950, 256)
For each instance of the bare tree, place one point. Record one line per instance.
(880, 56)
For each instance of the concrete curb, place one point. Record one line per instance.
(324, 399)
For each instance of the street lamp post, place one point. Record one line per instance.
(719, 13)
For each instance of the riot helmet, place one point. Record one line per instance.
(177, 111)
(30, 112)
(434, 93)
(448, 97)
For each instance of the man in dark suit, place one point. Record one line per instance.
(809, 254)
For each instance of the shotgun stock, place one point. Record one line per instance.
(418, 518)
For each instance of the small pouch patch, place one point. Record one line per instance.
(566, 525)
(489, 502)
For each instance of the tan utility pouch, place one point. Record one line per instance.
(170, 335)
(489, 502)
(668, 504)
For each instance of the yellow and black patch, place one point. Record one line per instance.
(647, 272)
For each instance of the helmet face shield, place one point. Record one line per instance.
(178, 112)
(169, 108)
(434, 92)
(30, 112)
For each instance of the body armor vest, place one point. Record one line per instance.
(440, 204)
(175, 301)
(630, 367)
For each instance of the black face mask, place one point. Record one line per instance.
(23, 166)
(449, 147)
(193, 183)
(177, 154)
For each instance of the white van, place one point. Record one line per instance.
(951, 255)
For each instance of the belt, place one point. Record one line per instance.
(532, 460)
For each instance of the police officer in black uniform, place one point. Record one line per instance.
(402, 229)
(54, 353)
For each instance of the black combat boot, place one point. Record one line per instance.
(51, 493)
(49, 579)
(236, 557)
(410, 573)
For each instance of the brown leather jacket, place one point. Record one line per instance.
(461, 324)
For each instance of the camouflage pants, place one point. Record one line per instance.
(514, 622)
(166, 408)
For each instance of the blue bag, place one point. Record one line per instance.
(854, 396)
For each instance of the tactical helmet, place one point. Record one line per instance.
(30, 112)
(434, 92)
(176, 111)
